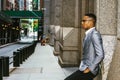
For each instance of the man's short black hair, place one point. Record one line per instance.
(91, 15)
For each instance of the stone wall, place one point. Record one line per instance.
(52, 19)
(109, 43)
(64, 20)
(46, 16)
(69, 51)
(114, 70)
(58, 11)
(107, 25)
(54, 27)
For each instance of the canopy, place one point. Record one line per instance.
(24, 14)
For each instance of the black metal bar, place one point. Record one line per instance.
(16, 60)
(1, 68)
(20, 55)
(11, 57)
(23, 53)
(10, 62)
(6, 66)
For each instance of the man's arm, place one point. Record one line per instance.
(99, 52)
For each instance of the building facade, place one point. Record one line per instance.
(5, 24)
(64, 28)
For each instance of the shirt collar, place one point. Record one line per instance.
(89, 30)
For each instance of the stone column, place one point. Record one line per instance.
(114, 70)
(46, 16)
(57, 22)
(52, 19)
(107, 25)
(69, 41)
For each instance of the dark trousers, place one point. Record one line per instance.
(79, 75)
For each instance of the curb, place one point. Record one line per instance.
(2, 46)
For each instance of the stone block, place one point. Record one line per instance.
(70, 37)
(106, 16)
(114, 70)
(68, 13)
(57, 32)
(56, 48)
(69, 50)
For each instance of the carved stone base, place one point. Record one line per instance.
(56, 53)
(69, 50)
(69, 57)
(66, 64)
(56, 48)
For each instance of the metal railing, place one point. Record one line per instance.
(19, 56)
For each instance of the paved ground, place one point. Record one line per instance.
(42, 65)
(8, 50)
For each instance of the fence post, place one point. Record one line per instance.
(1, 68)
(16, 60)
(5, 65)
(20, 55)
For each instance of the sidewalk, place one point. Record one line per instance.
(2, 46)
(42, 65)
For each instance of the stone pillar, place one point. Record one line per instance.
(46, 16)
(52, 18)
(107, 25)
(57, 23)
(56, 40)
(114, 70)
(69, 41)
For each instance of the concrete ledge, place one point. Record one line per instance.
(64, 51)
(73, 48)
(55, 53)
(65, 64)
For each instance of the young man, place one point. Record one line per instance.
(93, 52)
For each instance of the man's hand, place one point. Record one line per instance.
(86, 70)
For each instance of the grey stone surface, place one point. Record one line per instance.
(70, 57)
(46, 16)
(107, 16)
(65, 14)
(106, 11)
(57, 12)
(56, 48)
(51, 34)
(55, 20)
(56, 39)
(57, 32)
(118, 20)
(57, 15)
(69, 54)
(52, 12)
(68, 13)
(70, 37)
(69, 34)
(114, 70)
(109, 43)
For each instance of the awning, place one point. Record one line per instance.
(24, 14)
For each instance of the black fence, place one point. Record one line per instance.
(19, 56)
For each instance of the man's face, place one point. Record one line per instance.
(87, 22)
